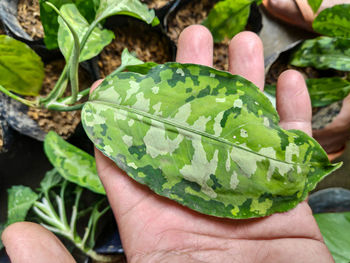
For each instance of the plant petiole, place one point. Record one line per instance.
(29, 103)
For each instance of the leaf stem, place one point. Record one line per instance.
(15, 97)
(59, 88)
(74, 60)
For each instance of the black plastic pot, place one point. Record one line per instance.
(330, 200)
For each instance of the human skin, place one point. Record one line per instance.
(335, 135)
(155, 229)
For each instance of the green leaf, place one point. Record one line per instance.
(49, 17)
(335, 229)
(315, 4)
(132, 8)
(72, 163)
(132, 64)
(20, 200)
(227, 18)
(21, 69)
(97, 40)
(204, 138)
(323, 53)
(323, 91)
(334, 21)
(52, 178)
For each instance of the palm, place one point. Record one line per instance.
(152, 226)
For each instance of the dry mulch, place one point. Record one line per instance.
(28, 13)
(147, 43)
(64, 123)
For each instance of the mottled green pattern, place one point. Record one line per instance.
(227, 18)
(49, 17)
(97, 40)
(315, 4)
(322, 91)
(323, 53)
(132, 8)
(335, 229)
(21, 69)
(72, 163)
(334, 21)
(132, 64)
(20, 200)
(204, 138)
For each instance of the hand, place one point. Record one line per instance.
(335, 135)
(155, 229)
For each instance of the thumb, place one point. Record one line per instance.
(29, 242)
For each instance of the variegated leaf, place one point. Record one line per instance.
(97, 40)
(323, 53)
(132, 8)
(334, 21)
(204, 138)
(72, 163)
(227, 18)
(322, 91)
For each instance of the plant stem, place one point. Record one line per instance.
(15, 97)
(74, 60)
(63, 107)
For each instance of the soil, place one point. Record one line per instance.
(64, 123)
(321, 116)
(156, 4)
(194, 12)
(149, 45)
(28, 14)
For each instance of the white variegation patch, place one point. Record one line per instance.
(155, 89)
(246, 160)
(217, 124)
(156, 108)
(158, 143)
(131, 122)
(220, 99)
(134, 88)
(127, 140)
(234, 180)
(291, 149)
(142, 103)
(244, 133)
(238, 103)
(183, 113)
(180, 71)
(200, 169)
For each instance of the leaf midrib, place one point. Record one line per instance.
(205, 134)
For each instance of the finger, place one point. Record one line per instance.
(246, 58)
(95, 85)
(29, 242)
(293, 102)
(195, 45)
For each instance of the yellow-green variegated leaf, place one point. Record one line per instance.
(132, 8)
(205, 138)
(73, 164)
(98, 39)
